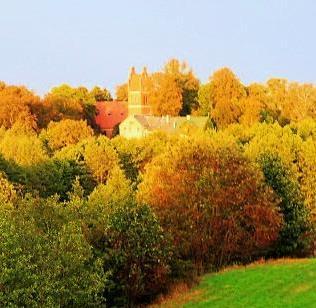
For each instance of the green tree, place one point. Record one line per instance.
(45, 259)
(129, 236)
(211, 200)
(292, 239)
(56, 176)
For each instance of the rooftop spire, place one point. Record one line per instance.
(133, 70)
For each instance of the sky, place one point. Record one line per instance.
(44, 43)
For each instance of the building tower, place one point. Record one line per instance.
(138, 93)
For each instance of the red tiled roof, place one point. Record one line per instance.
(110, 114)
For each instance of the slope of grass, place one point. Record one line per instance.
(281, 283)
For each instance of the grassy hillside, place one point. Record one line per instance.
(281, 283)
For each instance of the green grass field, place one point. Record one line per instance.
(281, 283)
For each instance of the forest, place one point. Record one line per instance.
(91, 221)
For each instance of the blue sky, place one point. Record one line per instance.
(44, 43)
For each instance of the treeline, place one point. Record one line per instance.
(90, 221)
(23, 108)
(174, 90)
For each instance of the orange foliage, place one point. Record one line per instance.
(213, 203)
(226, 92)
(165, 95)
(15, 106)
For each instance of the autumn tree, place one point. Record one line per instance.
(307, 175)
(306, 129)
(301, 102)
(16, 106)
(100, 158)
(122, 92)
(227, 90)
(66, 132)
(277, 90)
(66, 102)
(212, 202)
(272, 138)
(254, 105)
(187, 83)
(2, 85)
(164, 95)
(23, 149)
(101, 94)
(96, 153)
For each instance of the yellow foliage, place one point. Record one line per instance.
(66, 132)
(7, 192)
(117, 190)
(23, 149)
(100, 157)
(122, 92)
(307, 179)
(273, 139)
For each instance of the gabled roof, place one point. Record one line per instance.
(110, 114)
(170, 124)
